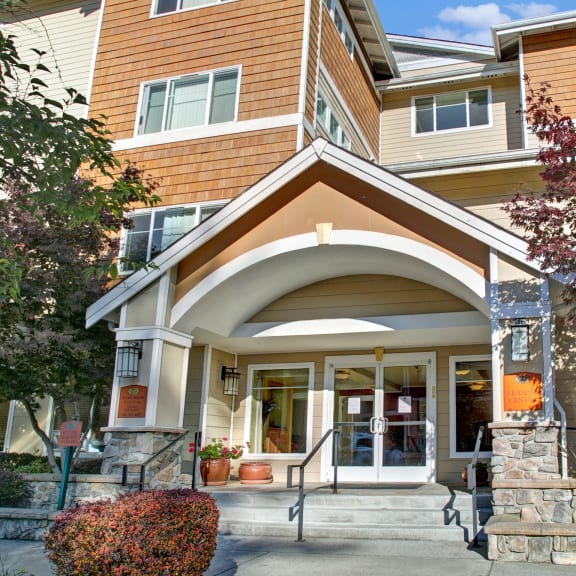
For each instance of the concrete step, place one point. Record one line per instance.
(429, 513)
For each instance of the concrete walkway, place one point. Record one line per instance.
(251, 556)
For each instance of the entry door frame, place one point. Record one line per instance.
(331, 363)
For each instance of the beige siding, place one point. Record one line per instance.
(360, 296)
(193, 398)
(47, 25)
(399, 145)
(141, 310)
(482, 192)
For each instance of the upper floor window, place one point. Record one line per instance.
(326, 118)
(452, 111)
(186, 101)
(165, 6)
(337, 15)
(154, 230)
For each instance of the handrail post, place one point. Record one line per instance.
(335, 450)
(301, 505)
(472, 479)
(197, 442)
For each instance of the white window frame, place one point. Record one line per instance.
(123, 267)
(454, 454)
(144, 87)
(334, 8)
(155, 14)
(452, 130)
(309, 417)
(342, 140)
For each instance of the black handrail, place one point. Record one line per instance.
(146, 462)
(197, 444)
(298, 508)
(471, 475)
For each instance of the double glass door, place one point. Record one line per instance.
(385, 414)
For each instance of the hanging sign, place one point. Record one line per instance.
(70, 434)
(132, 402)
(522, 391)
(404, 404)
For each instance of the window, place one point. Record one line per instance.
(470, 404)
(165, 6)
(195, 100)
(280, 408)
(154, 230)
(337, 16)
(452, 111)
(328, 121)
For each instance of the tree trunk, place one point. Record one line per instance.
(43, 436)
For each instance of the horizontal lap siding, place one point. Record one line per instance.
(360, 296)
(46, 26)
(550, 58)
(213, 168)
(350, 79)
(399, 145)
(482, 192)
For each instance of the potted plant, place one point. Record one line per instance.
(215, 460)
(255, 472)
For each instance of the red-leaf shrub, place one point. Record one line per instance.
(150, 533)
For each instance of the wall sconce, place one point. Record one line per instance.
(128, 359)
(230, 377)
(520, 341)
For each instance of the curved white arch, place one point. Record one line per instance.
(262, 275)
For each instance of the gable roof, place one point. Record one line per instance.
(372, 174)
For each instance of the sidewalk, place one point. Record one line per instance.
(255, 556)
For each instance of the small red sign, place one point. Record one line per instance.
(70, 434)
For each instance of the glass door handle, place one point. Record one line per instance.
(374, 425)
(384, 425)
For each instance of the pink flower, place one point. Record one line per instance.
(191, 447)
(224, 439)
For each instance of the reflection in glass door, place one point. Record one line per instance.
(385, 415)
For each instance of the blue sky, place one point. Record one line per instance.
(463, 21)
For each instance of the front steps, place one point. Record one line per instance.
(430, 512)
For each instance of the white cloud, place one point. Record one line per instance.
(472, 24)
(482, 16)
(531, 10)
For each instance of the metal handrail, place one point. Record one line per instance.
(144, 464)
(298, 508)
(472, 484)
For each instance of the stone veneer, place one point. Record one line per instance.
(534, 508)
(134, 445)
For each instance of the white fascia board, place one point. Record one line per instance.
(445, 45)
(461, 164)
(489, 71)
(431, 204)
(204, 232)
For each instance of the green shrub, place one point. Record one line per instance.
(13, 488)
(23, 462)
(150, 533)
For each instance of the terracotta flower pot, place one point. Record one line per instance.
(255, 473)
(215, 471)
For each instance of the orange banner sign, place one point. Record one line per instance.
(132, 402)
(522, 391)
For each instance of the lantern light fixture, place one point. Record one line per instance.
(520, 340)
(128, 359)
(231, 378)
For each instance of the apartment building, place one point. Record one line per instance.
(330, 251)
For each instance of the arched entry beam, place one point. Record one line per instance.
(237, 290)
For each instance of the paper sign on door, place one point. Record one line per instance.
(404, 404)
(353, 405)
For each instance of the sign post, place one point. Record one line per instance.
(70, 434)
